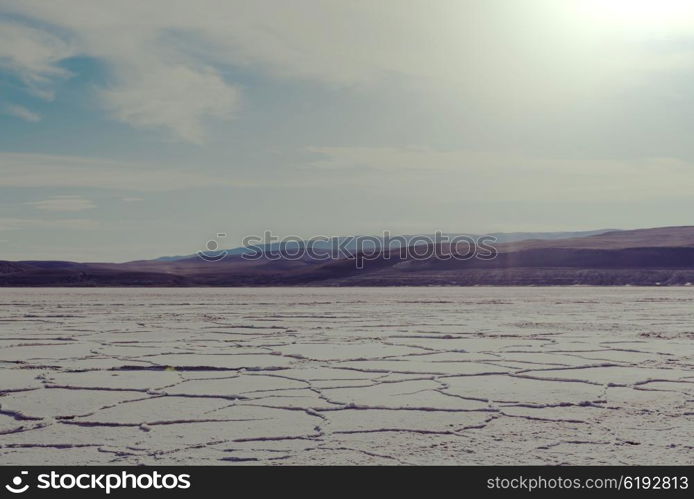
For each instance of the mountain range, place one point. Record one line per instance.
(658, 256)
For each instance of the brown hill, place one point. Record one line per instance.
(672, 237)
(660, 256)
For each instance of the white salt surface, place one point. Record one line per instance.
(347, 376)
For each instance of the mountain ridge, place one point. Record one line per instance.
(655, 256)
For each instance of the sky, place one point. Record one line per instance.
(135, 129)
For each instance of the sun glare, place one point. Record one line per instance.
(656, 14)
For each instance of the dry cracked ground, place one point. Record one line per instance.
(347, 376)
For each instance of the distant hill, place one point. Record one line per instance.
(659, 256)
(501, 237)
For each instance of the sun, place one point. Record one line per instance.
(643, 14)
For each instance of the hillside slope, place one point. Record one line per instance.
(660, 256)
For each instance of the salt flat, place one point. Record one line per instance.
(347, 376)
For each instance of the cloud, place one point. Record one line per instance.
(40, 224)
(39, 170)
(152, 85)
(492, 176)
(171, 64)
(22, 113)
(169, 61)
(173, 97)
(63, 203)
(34, 55)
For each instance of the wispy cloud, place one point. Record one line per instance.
(34, 55)
(153, 85)
(63, 203)
(483, 176)
(170, 96)
(170, 63)
(21, 112)
(36, 224)
(39, 170)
